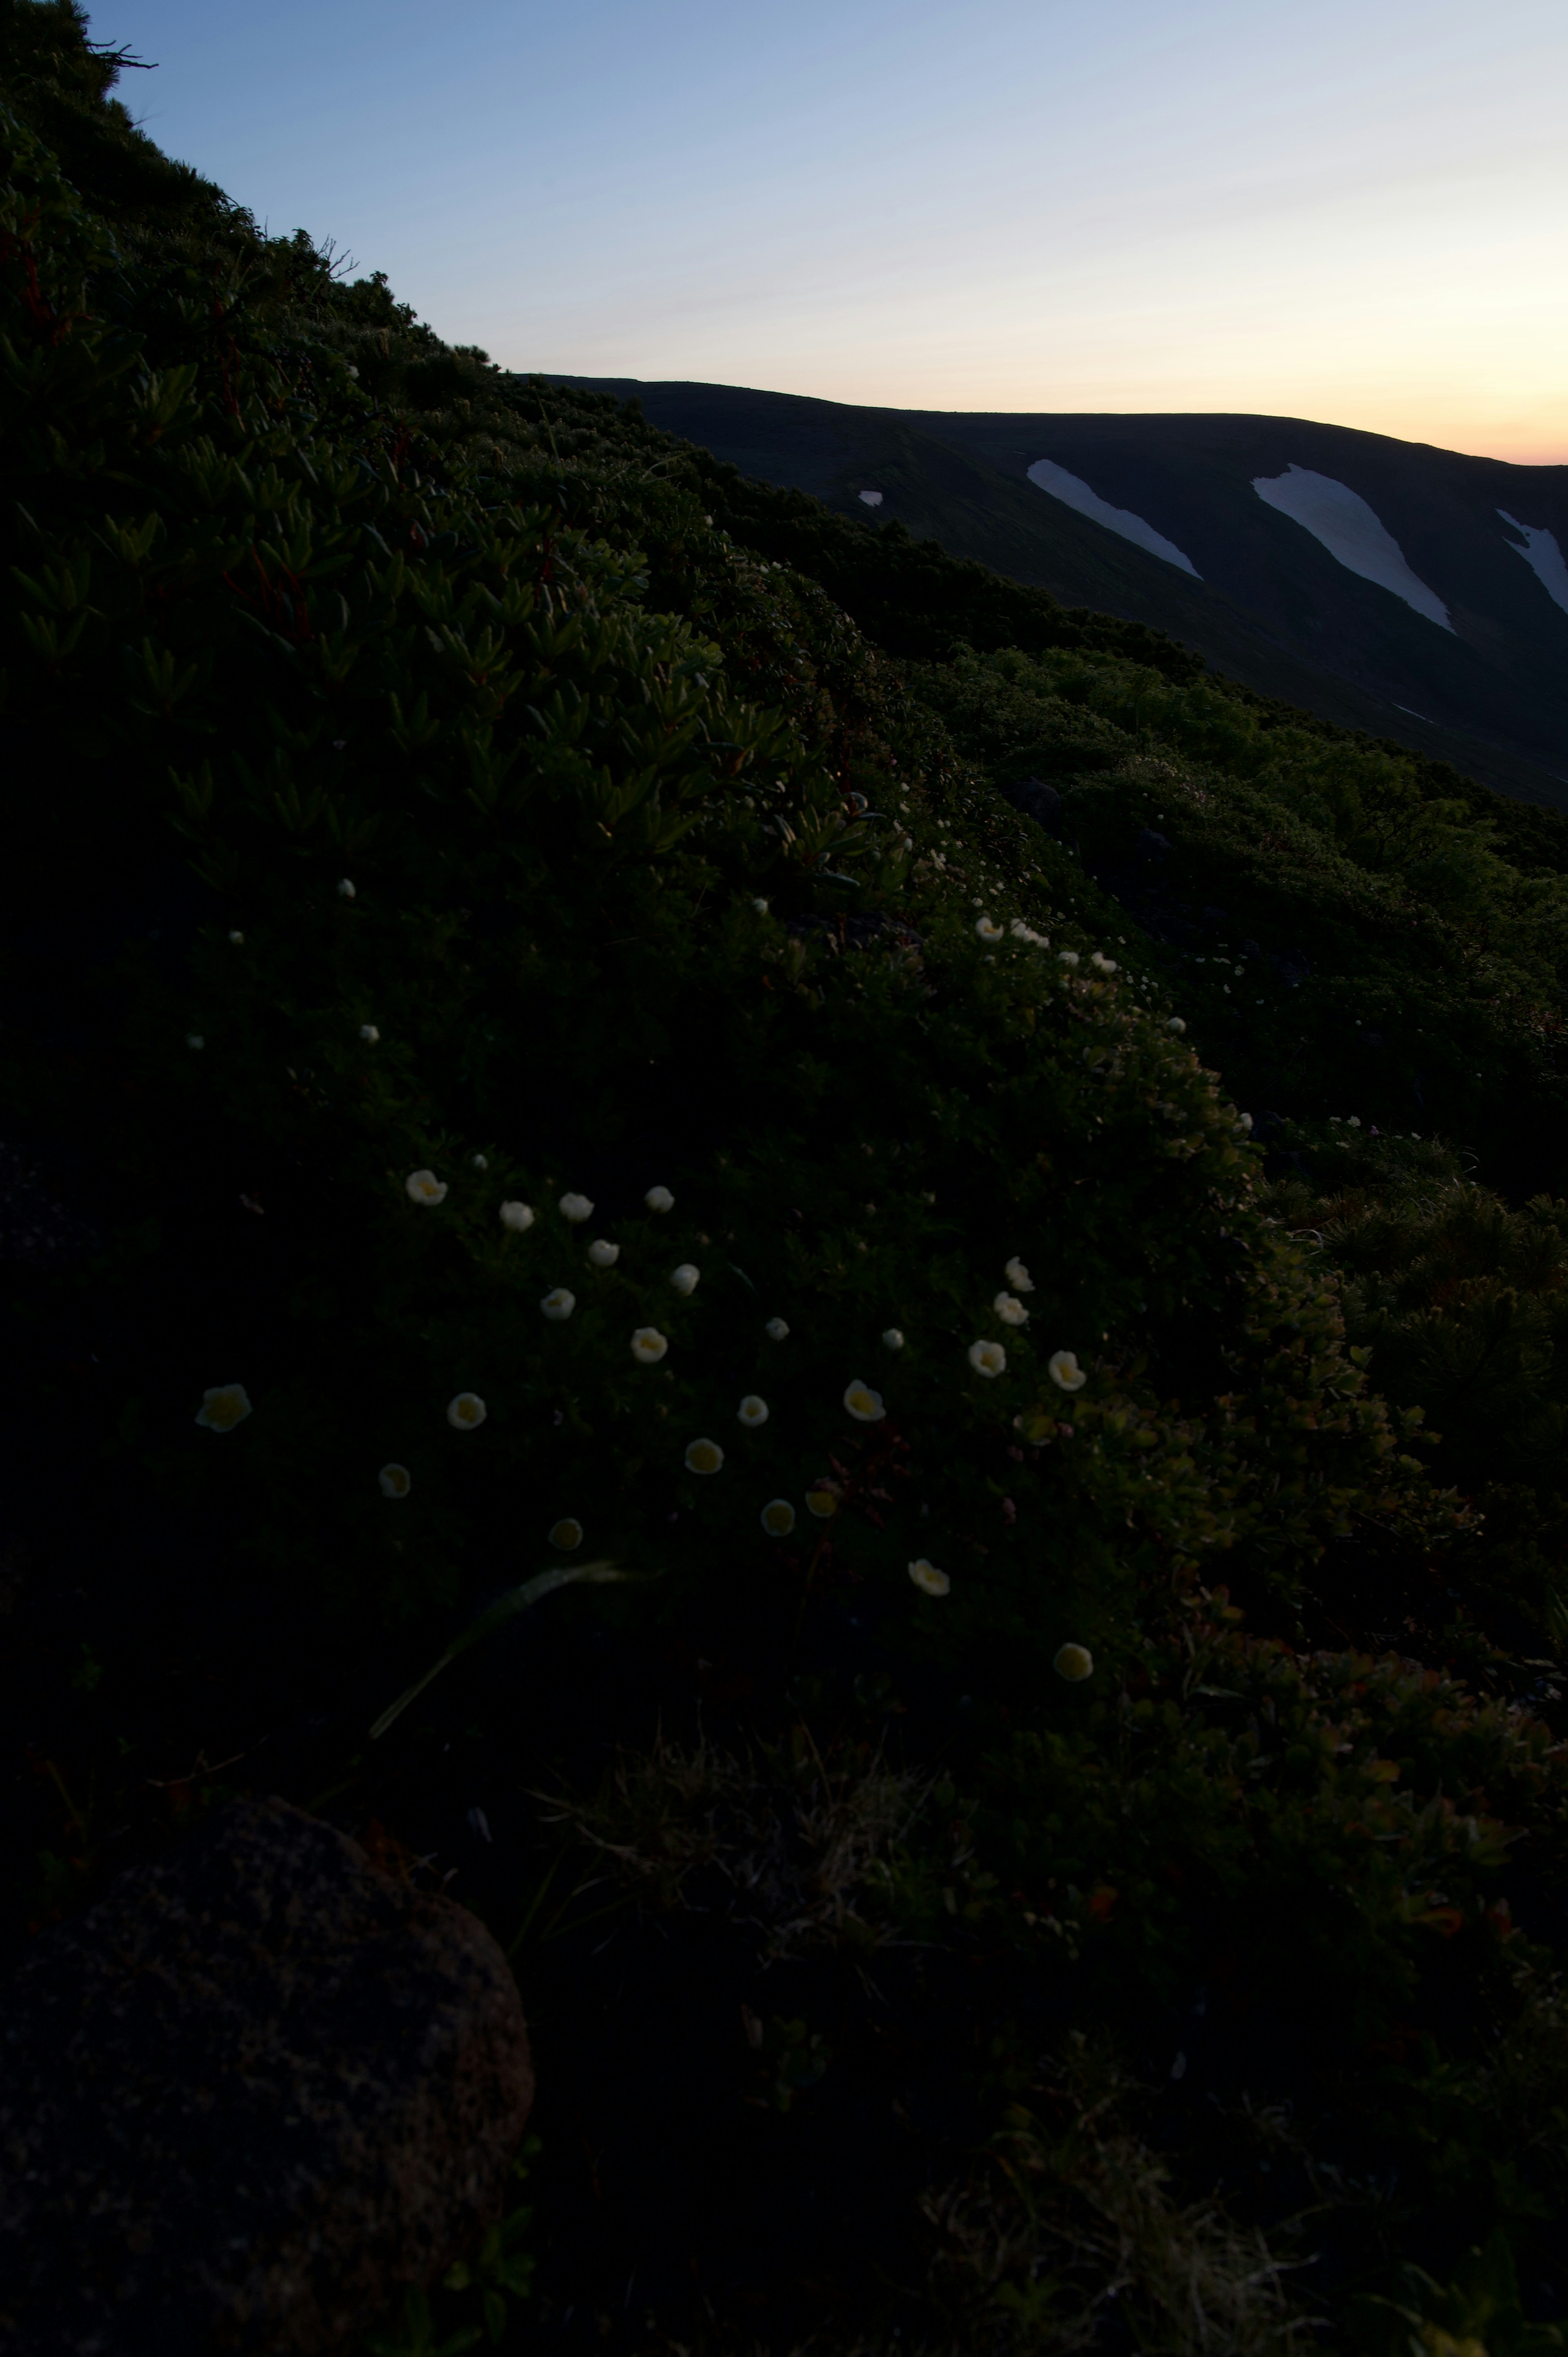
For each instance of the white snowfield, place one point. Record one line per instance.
(1050, 476)
(1543, 554)
(1351, 532)
(871, 499)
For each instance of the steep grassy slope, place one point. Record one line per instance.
(534, 1041)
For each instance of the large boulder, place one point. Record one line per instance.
(246, 2098)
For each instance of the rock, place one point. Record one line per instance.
(1039, 801)
(247, 2098)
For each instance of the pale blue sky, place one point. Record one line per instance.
(1356, 211)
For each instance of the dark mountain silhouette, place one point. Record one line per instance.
(1266, 601)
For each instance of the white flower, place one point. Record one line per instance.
(467, 1412)
(424, 1186)
(369, 1035)
(822, 1500)
(659, 1199)
(988, 929)
(603, 1254)
(517, 1216)
(752, 1410)
(864, 1404)
(1106, 966)
(1065, 1372)
(1074, 1662)
(760, 907)
(237, 940)
(194, 1040)
(893, 1338)
(575, 1207)
(648, 1344)
(1244, 1121)
(1353, 1121)
(345, 890)
(703, 1457)
(566, 1535)
(1175, 1024)
(987, 1358)
(778, 1517)
(480, 1161)
(776, 1330)
(396, 1480)
(1068, 958)
(684, 1278)
(1018, 1277)
(1010, 1309)
(223, 1408)
(558, 1303)
(928, 1578)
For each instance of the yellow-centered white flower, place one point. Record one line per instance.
(1065, 1372)
(988, 929)
(558, 1303)
(864, 1404)
(424, 1186)
(575, 1207)
(566, 1535)
(396, 1480)
(752, 1410)
(467, 1412)
(659, 1199)
(1018, 1277)
(684, 1278)
(224, 1407)
(822, 1500)
(703, 1457)
(518, 1217)
(778, 1517)
(602, 1254)
(776, 1330)
(988, 1358)
(893, 1338)
(1074, 1662)
(647, 1345)
(928, 1578)
(1010, 1309)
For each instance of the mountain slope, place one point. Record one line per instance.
(1267, 603)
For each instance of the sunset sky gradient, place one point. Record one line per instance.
(1357, 212)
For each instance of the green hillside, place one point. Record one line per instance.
(541, 1037)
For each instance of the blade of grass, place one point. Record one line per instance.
(504, 1608)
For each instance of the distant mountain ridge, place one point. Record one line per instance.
(1416, 592)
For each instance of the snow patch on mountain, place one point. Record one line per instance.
(1544, 558)
(871, 499)
(1073, 493)
(1351, 532)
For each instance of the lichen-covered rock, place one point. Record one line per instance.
(255, 2090)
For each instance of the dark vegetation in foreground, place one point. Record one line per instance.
(417, 775)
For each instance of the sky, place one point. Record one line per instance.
(1356, 211)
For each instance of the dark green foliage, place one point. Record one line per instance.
(459, 796)
(1346, 934)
